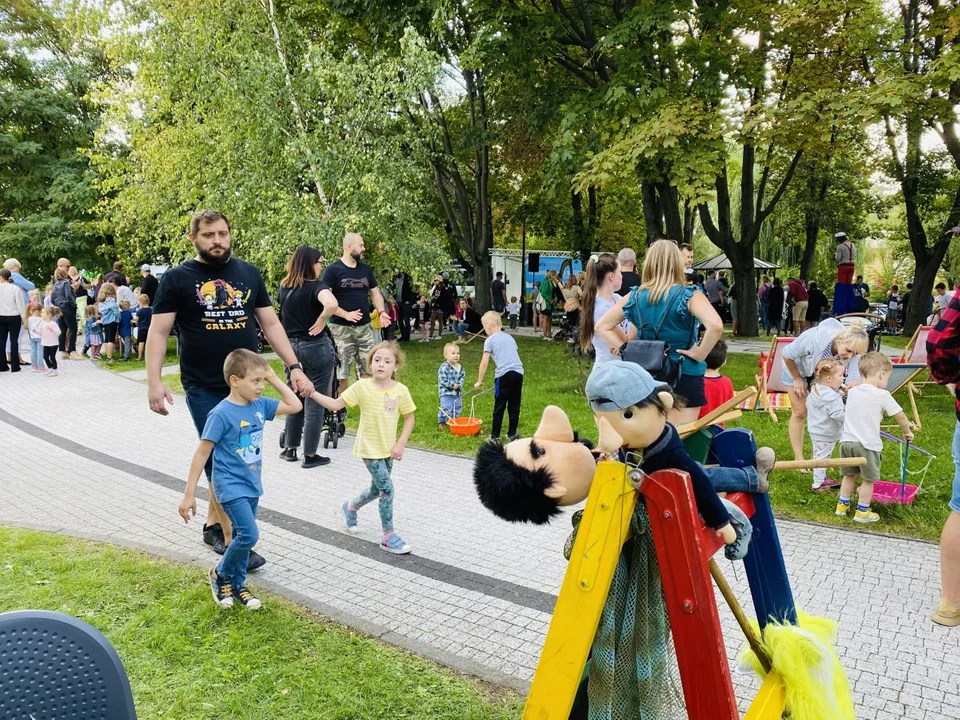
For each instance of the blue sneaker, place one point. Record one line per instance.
(349, 517)
(393, 544)
(220, 589)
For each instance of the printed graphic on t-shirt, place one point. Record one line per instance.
(224, 305)
(391, 404)
(251, 438)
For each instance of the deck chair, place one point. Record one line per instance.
(902, 377)
(471, 336)
(54, 665)
(916, 349)
(773, 393)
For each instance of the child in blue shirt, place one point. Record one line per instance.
(450, 379)
(144, 315)
(126, 329)
(234, 434)
(508, 377)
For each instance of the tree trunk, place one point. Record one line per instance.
(745, 282)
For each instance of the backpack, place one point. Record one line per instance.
(62, 294)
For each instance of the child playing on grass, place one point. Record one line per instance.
(144, 317)
(867, 403)
(513, 312)
(125, 330)
(92, 332)
(825, 414)
(717, 388)
(34, 323)
(50, 338)
(450, 379)
(109, 317)
(422, 309)
(508, 378)
(234, 434)
(382, 401)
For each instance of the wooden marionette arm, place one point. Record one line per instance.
(715, 414)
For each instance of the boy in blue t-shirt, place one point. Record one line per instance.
(234, 434)
(126, 329)
(508, 377)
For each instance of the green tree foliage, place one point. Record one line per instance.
(914, 80)
(267, 114)
(47, 121)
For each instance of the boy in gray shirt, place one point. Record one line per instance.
(508, 377)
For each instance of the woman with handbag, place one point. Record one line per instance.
(667, 314)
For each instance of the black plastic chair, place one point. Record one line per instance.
(56, 667)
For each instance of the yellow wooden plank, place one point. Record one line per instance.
(603, 530)
(770, 703)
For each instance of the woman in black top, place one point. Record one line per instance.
(305, 304)
(775, 307)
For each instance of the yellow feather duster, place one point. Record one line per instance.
(803, 655)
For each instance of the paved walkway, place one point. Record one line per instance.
(477, 593)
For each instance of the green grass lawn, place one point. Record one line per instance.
(188, 659)
(134, 364)
(554, 376)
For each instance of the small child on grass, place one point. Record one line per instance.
(125, 330)
(422, 310)
(508, 378)
(450, 379)
(513, 312)
(825, 415)
(382, 401)
(867, 403)
(717, 388)
(234, 434)
(144, 317)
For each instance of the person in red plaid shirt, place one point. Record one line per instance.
(943, 360)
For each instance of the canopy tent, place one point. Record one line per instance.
(720, 262)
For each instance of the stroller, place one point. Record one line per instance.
(334, 423)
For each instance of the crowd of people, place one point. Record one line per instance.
(337, 322)
(115, 316)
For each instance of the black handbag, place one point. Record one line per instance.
(654, 355)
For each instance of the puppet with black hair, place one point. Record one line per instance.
(528, 480)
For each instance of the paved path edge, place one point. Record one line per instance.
(450, 661)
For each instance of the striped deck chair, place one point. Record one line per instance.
(773, 393)
(916, 349)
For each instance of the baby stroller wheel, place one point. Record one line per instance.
(283, 437)
(341, 431)
(325, 436)
(335, 441)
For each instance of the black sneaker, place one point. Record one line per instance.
(213, 536)
(289, 454)
(246, 598)
(312, 461)
(255, 561)
(220, 588)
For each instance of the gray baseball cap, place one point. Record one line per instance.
(618, 385)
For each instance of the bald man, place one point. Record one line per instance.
(354, 285)
(628, 268)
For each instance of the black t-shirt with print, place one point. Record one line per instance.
(351, 287)
(214, 315)
(300, 307)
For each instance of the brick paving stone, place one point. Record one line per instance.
(477, 590)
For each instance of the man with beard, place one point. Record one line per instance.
(353, 285)
(216, 302)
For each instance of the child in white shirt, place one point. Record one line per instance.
(867, 403)
(825, 413)
(513, 312)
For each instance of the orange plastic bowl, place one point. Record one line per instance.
(464, 425)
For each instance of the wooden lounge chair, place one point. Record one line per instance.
(772, 395)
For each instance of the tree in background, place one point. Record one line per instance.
(48, 62)
(914, 76)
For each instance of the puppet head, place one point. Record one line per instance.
(528, 479)
(630, 406)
